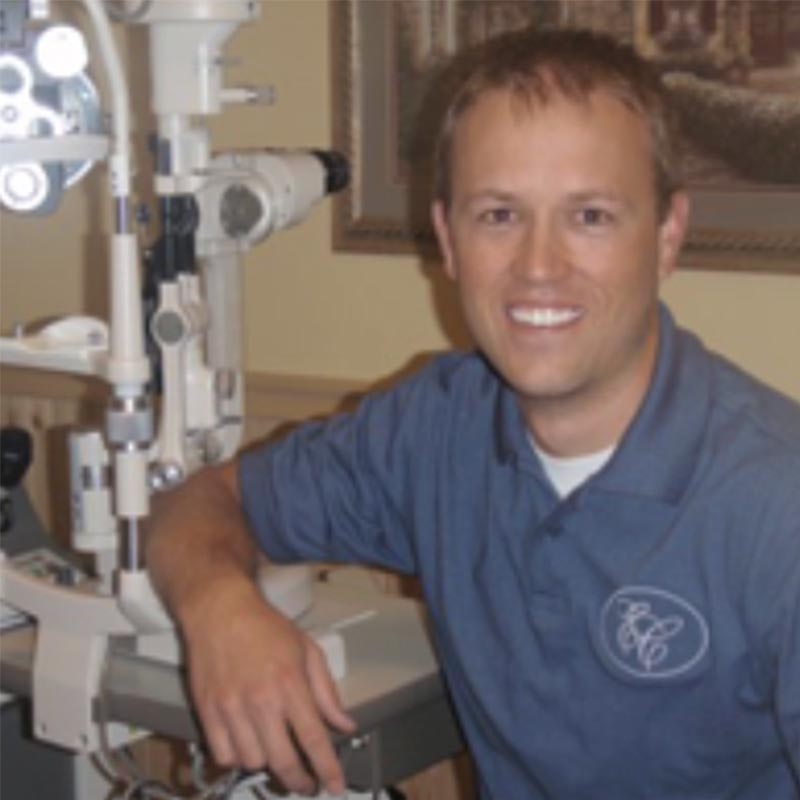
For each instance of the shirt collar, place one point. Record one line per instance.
(660, 450)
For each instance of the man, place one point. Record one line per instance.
(605, 518)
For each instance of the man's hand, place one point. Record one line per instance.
(261, 687)
(263, 690)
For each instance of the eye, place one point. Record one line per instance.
(497, 216)
(594, 216)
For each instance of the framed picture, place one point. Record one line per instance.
(733, 67)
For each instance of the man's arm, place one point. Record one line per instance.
(257, 681)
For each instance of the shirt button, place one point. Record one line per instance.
(553, 528)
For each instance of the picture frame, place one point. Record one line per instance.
(387, 57)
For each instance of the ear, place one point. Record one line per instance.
(442, 229)
(671, 234)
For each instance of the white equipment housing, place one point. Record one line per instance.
(195, 325)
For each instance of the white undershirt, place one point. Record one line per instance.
(567, 474)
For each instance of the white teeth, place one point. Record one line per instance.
(545, 317)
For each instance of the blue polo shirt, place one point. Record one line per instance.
(639, 638)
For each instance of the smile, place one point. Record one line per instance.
(545, 317)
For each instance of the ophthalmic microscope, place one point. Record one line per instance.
(170, 350)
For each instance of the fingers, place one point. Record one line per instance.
(324, 689)
(283, 759)
(314, 740)
(257, 736)
(276, 718)
(217, 738)
(230, 734)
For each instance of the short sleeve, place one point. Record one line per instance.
(344, 490)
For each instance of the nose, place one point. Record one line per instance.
(541, 256)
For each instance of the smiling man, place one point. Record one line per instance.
(554, 235)
(604, 516)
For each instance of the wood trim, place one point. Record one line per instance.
(48, 404)
(21, 382)
(286, 397)
(294, 398)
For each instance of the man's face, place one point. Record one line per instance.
(555, 242)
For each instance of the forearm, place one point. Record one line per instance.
(261, 688)
(198, 544)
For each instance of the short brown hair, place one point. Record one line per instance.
(534, 64)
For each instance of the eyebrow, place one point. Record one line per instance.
(581, 196)
(483, 195)
(598, 194)
(619, 201)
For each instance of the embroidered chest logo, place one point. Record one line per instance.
(651, 633)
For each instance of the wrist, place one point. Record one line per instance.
(215, 601)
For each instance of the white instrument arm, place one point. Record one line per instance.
(197, 326)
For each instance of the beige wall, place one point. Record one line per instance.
(312, 312)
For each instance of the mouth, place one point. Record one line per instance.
(544, 317)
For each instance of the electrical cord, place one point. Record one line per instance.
(121, 767)
(117, 11)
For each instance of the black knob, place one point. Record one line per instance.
(337, 169)
(16, 452)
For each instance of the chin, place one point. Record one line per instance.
(534, 374)
(541, 387)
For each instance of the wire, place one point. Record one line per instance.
(148, 790)
(197, 763)
(121, 767)
(238, 782)
(117, 11)
(120, 99)
(119, 763)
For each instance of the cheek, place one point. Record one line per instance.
(472, 265)
(476, 284)
(628, 268)
(483, 259)
(479, 286)
(472, 292)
